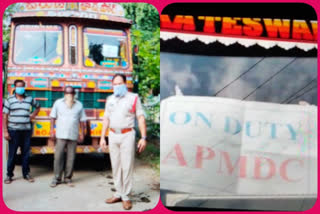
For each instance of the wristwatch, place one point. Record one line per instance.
(145, 137)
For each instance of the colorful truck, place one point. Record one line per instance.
(53, 45)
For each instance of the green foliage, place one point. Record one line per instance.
(144, 16)
(6, 38)
(146, 34)
(151, 155)
(153, 129)
(6, 21)
(148, 67)
(153, 118)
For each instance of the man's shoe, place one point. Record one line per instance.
(54, 183)
(127, 205)
(69, 182)
(8, 180)
(29, 178)
(113, 200)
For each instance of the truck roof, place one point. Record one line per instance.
(98, 11)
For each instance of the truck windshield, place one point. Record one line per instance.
(38, 44)
(105, 48)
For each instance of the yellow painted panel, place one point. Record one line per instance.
(55, 83)
(96, 128)
(41, 129)
(42, 113)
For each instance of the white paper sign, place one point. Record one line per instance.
(220, 146)
(110, 50)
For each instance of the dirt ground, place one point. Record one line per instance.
(93, 184)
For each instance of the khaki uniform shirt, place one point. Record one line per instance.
(119, 110)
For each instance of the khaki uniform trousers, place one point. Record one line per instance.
(122, 150)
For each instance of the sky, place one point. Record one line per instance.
(277, 78)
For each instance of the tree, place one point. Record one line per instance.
(144, 16)
(146, 34)
(148, 68)
(6, 38)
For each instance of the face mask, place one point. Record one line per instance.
(120, 90)
(20, 90)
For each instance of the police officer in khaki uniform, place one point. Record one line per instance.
(121, 109)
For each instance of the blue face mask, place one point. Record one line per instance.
(20, 90)
(120, 90)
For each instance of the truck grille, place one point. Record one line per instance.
(88, 99)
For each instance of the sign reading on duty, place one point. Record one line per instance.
(287, 29)
(220, 146)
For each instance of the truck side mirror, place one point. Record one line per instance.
(135, 51)
(5, 46)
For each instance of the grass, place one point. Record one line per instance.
(151, 155)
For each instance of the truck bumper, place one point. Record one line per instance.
(80, 149)
(41, 128)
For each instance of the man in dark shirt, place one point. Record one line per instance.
(17, 118)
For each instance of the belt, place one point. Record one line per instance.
(121, 131)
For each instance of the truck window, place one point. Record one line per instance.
(105, 48)
(38, 44)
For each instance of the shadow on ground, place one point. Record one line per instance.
(90, 162)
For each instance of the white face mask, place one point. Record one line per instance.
(120, 90)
